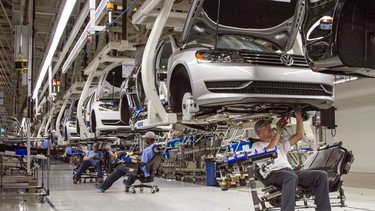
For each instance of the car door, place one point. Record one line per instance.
(339, 36)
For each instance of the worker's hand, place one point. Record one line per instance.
(280, 125)
(297, 110)
(129, 154)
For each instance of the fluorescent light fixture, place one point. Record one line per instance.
(65, 15)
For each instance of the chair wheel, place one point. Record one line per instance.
(84, 181)
(90, 180)
(157, 189)
(133, 191)
(141, 189)
(242, 182)
(152, 191)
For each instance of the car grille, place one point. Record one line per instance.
(74, 135)
(273, 59)
(112, 122)
(266, 87)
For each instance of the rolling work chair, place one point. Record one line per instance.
(152, 167)
(334, 159)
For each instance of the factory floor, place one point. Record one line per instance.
(173, 195)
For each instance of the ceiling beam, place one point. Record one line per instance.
(7, 41)
(6, 14)
(5, 53)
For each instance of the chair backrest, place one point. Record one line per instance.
(153, 165)
(333, 159)
(257, 174)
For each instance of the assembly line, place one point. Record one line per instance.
(189, 104)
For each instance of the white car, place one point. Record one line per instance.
(103, 104)
(241, 65)
(70, 123)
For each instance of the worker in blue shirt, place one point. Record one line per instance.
(45, 142)
(120, 170)
(93, 158)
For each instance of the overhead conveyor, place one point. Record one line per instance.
(156, 113)
(96, 67)
(149, 11)
(55, 108)
(42, 126)
(74, 91)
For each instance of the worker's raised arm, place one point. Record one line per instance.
(300, 132)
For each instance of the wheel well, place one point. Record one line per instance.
(179, 85)
(125, 110)
(93, 117)
(66, 134)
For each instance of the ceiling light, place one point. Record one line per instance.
(64, 17)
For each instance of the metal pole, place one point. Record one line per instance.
(124, 33)
(29, 84)
(253, 187)
(2, 172)
(49, 147)
(50, 79)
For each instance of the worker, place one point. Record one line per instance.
(92, 158)
(120, 170)
(280, 172)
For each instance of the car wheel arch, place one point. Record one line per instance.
(93, 121)
(124, 110)
(180, 77)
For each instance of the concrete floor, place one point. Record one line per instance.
(173, 195)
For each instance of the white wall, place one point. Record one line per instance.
(355, 118)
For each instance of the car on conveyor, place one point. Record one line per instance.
(222, 65)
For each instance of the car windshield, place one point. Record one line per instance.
(233, 42)
(110, 96)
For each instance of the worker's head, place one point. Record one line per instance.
(95, 147)
(263, 128)
(149, 137)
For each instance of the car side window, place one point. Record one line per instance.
(165, 53)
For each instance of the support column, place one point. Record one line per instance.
(29, 82)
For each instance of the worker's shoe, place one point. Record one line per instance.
(75, 179)
(127, 188)
(99, 181)
(99, 187)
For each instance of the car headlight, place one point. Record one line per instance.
(218, 57)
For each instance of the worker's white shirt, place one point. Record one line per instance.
(280, 162)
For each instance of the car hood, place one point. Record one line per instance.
(277, 21)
